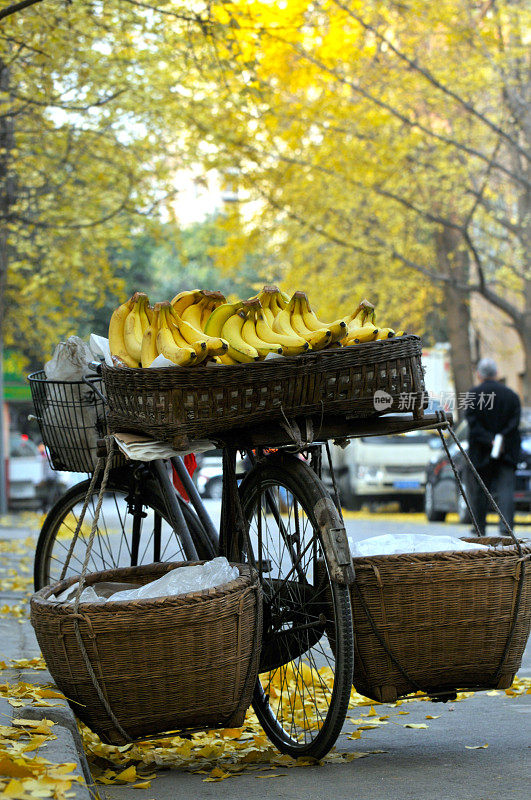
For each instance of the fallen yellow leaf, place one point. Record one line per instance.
(280, 775)
(415, 725)
(128, 775)
(476, 746)
(13, 789)
(13, 768)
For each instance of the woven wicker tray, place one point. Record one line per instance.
(178, 404)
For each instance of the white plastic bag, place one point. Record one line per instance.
(70, 361)
(69, 418)
(394, 544)
(180, 580)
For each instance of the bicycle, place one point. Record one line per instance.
(282, 520)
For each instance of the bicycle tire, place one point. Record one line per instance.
(111, 547)
(307, 621)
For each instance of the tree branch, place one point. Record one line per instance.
(6, 12)
(411, 123)
(413, 64)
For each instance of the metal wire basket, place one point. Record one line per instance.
(71, 417)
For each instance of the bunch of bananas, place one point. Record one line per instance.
(199, 326)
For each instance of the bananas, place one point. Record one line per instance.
(239, 350)
(149, 340)
(219, 316)
(290, 321)
(135, 324)
(182, 300)
(166, 344)
(200, 326)
(117, 343)
(292, 345)
(362, 329)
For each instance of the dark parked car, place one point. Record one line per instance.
(442, 494)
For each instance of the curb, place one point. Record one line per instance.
(68, 746)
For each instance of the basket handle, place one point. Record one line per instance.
(88, 381)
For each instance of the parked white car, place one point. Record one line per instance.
(377, 469)
(25, 472)
(209, 474)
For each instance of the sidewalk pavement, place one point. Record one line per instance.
(473, 750)
(24, 686)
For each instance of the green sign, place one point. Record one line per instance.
(16, 387)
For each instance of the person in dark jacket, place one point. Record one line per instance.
(493, 415)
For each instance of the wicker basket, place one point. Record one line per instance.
(178, 404)
(164, 664)
(446, 617)
(71, 419)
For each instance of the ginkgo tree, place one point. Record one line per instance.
(89, 144)
(386, 144)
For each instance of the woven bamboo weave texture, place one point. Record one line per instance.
(164, 664)
(444, 616)
(176, 404)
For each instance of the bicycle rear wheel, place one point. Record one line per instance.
(306, 667)
(132, 529)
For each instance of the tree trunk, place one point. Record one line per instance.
(453, 263)
(6, 202)
(525, 337)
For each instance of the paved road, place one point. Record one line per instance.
(412, 763)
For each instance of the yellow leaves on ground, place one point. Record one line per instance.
(220, 754)
(21, 693)
(19, 579)
(476, 746)
(217, 754)
(24, 774)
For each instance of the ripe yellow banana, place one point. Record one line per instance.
(291, 345)
(365, 311)
(226, 359)
(338, 328)
(265, 296)
(250, 334)
(366, 332)
(149, 340)
(192, 315)
(185, 299)
(239, 350)
(317, 340)
(116, 333)
(385, 333)
(282, 324)
(200, 348)
(184, 356)
(215, 345)
(135, 324)
(219, 316)
(146, 315)
(277, 303)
